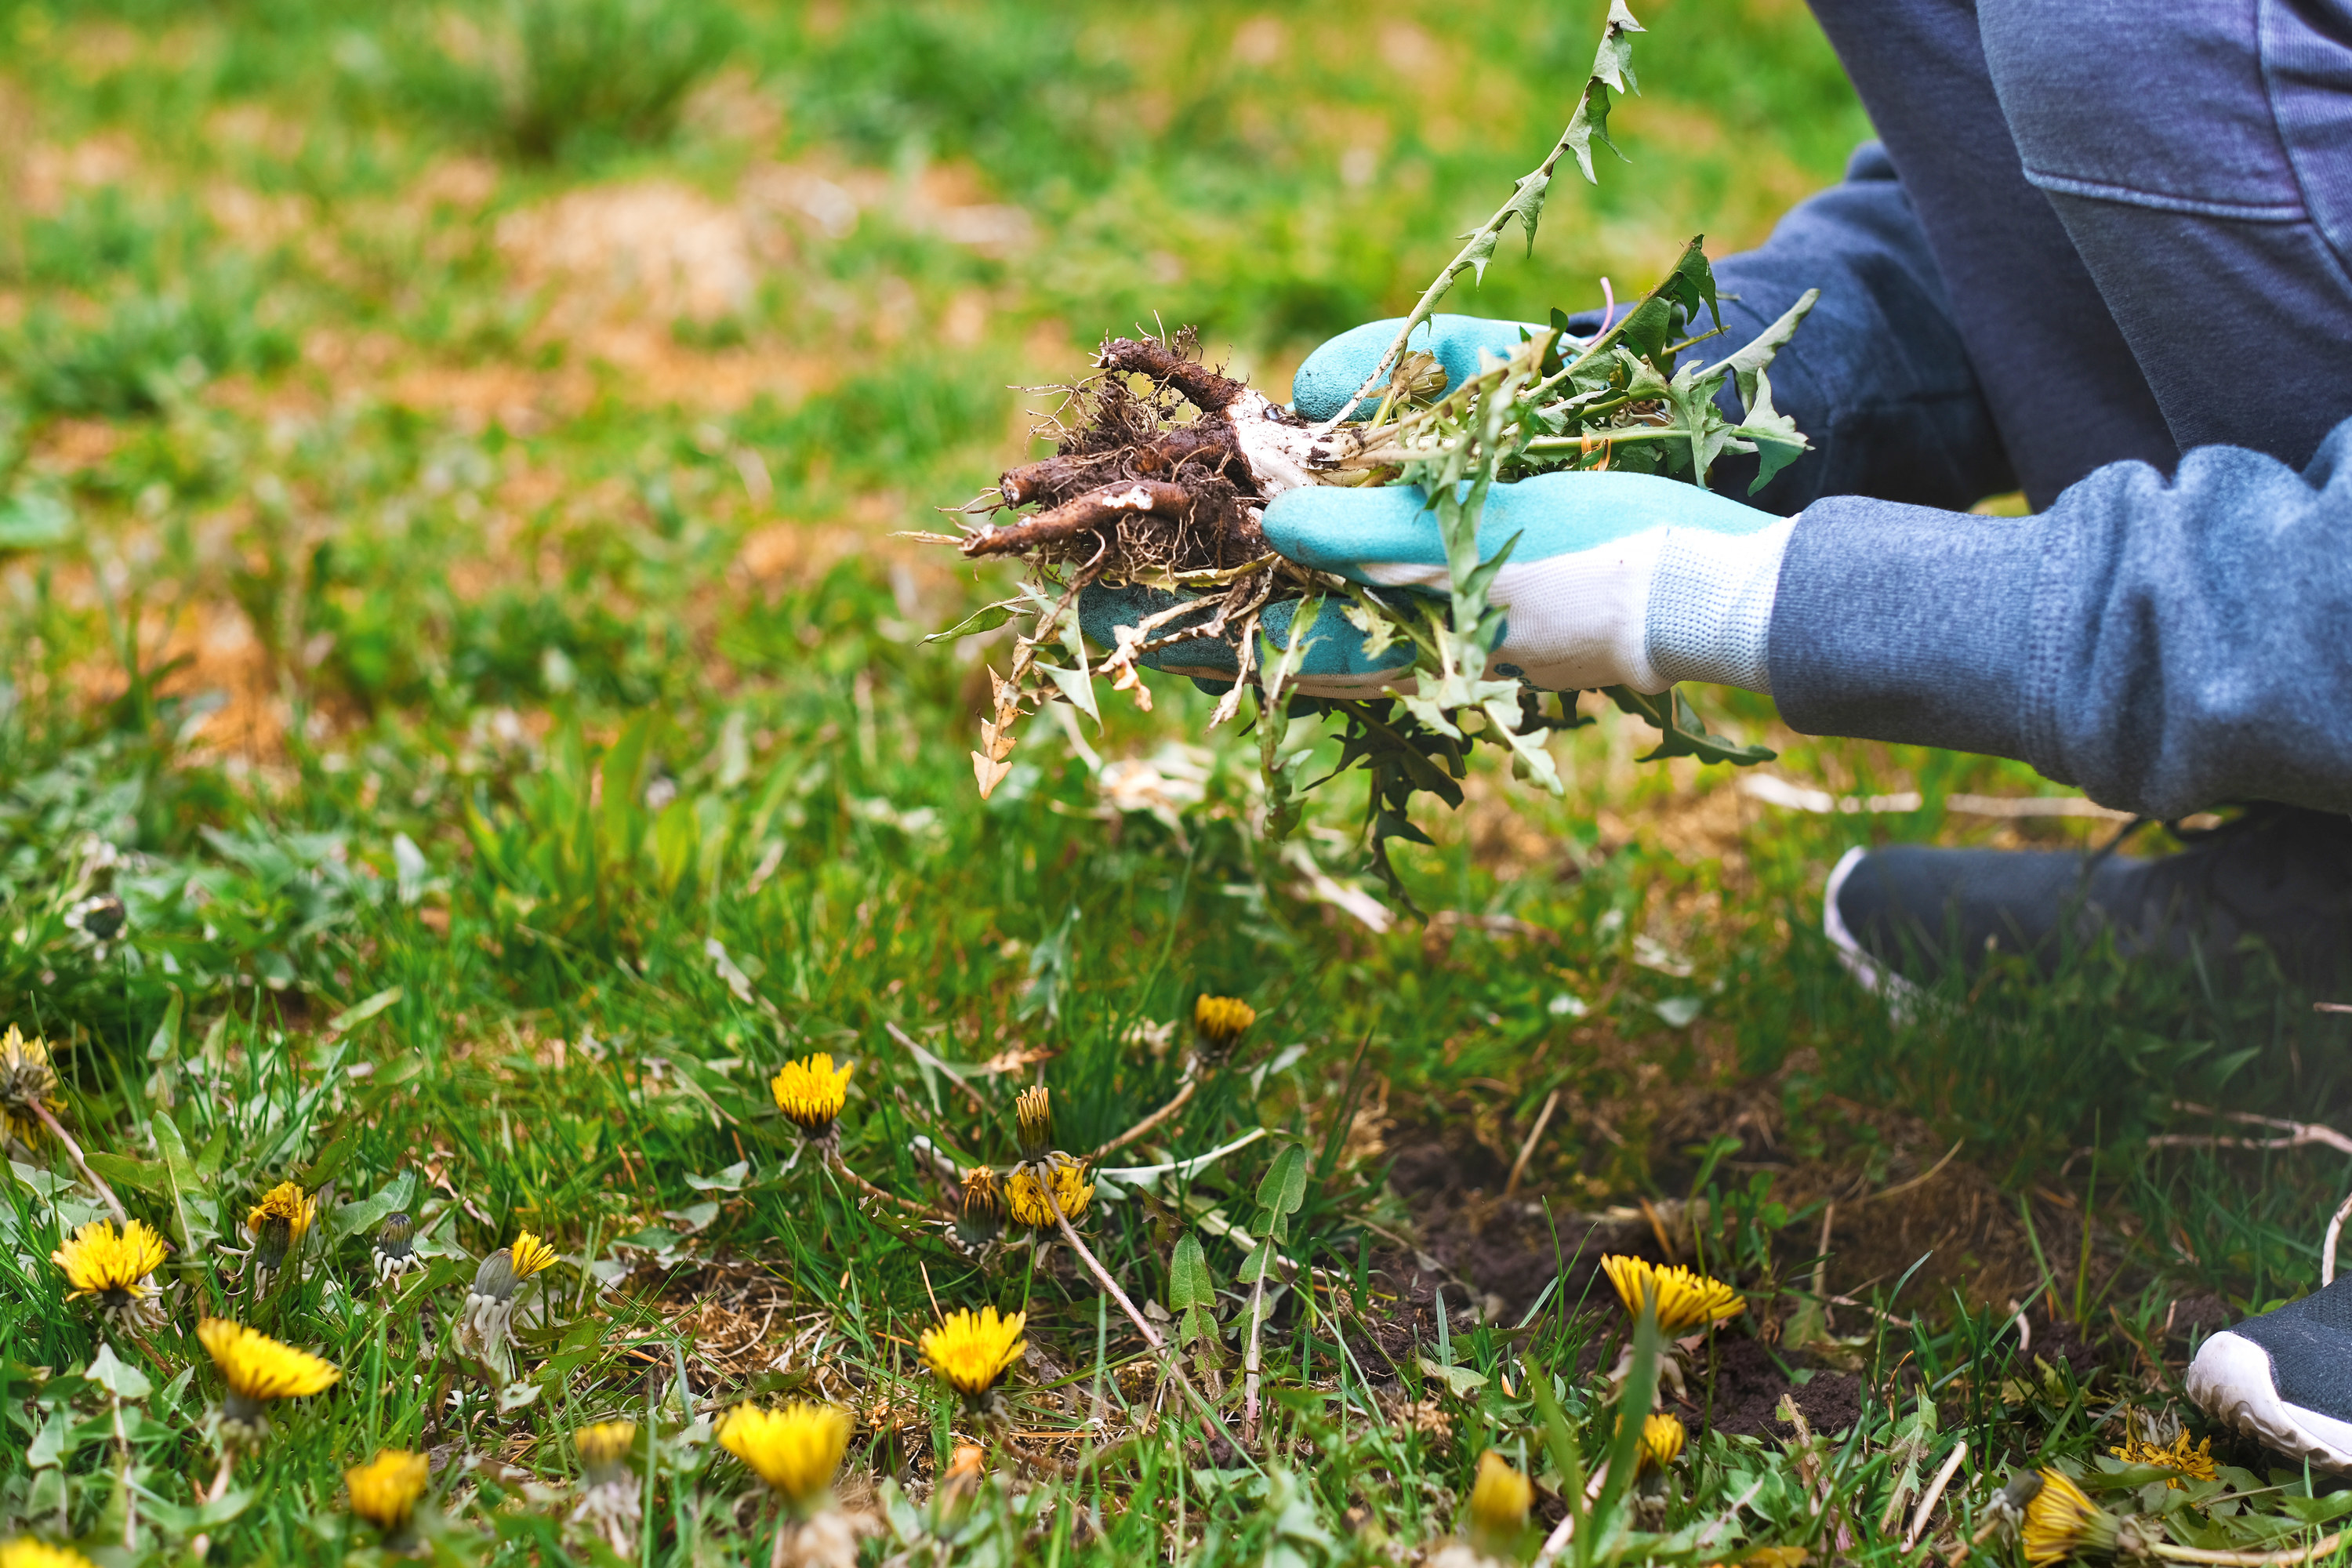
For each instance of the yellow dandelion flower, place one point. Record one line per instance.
(1663, 1438)
(1032, 1120)
(28, 1085)
(117, 1267)
(2192, 1464)
(26, 1553)
(796, 1450)
(384, 1490)
(1025, 1194)
(2062, 1521)
(530, 1255)
(279, 1222)
(1499, 1500)
(1220, 1021)
(812, 1091)
(1685, 1301)
(257, 1369)
(605, 1447)
(971, 1351)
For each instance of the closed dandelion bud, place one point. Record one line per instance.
(395, 1247)
(486, 1328)
(1499, 1500)
(979, 1218)
(28, 1085)
(812, 1091)
(117, 1271)
(796, 1450)
(1033, 1122)
(972, 1351)
(1662, 1441)
(259, 1371)
(385, 1491)
(610, 1496)
(1220, 1021)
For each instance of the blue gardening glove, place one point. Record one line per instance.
(1333, 665)
(1332, 373)
(1614, 580)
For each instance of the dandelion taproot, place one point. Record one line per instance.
(796, 1450)
(1499, 1500)
(1220, 1021)
(116, 1270)
(1662, 1436)
(1025, 1190)
(812, 1091)
(1684, 1301)
(385, 1491)
(611, 1498)
(971, 1351)
(28, 1087)
(259, 1371)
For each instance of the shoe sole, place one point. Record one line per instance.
(2231, 1381)
(1902, 996)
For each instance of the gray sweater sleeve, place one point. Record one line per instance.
(2165, 645)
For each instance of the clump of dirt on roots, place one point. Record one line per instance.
(1159, 471)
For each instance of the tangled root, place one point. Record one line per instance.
(1148, 473)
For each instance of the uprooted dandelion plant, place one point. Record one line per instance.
(1162, 469)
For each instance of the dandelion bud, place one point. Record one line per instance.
(28, 1085)
(1662, 1441)
(384, 1492)
(1032, 1115)
(1499, 1500)
(1219, 1021)
(395, 1247)
(2062, 1521)
(981, 1217)
(612, 1498)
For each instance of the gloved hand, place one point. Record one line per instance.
(1332, 373)
(1615, 580)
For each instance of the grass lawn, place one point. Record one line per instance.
(466, 726)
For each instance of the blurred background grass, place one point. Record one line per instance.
(448, 462)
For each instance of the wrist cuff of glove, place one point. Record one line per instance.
(1710, 616)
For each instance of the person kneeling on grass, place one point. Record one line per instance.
(2118, 277)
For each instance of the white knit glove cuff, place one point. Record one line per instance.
(1710, 608)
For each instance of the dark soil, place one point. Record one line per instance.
(1749, 1382)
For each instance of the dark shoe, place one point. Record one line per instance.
(2279, 874)
(2286, 1378)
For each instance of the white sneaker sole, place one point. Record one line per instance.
(2231, 1380)
(1901, 996)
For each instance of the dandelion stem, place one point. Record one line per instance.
(1143, 1325)
(871, 1190)
(784, 1525)
(48, 1118)
(1183, 1095)
(202, 1544)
